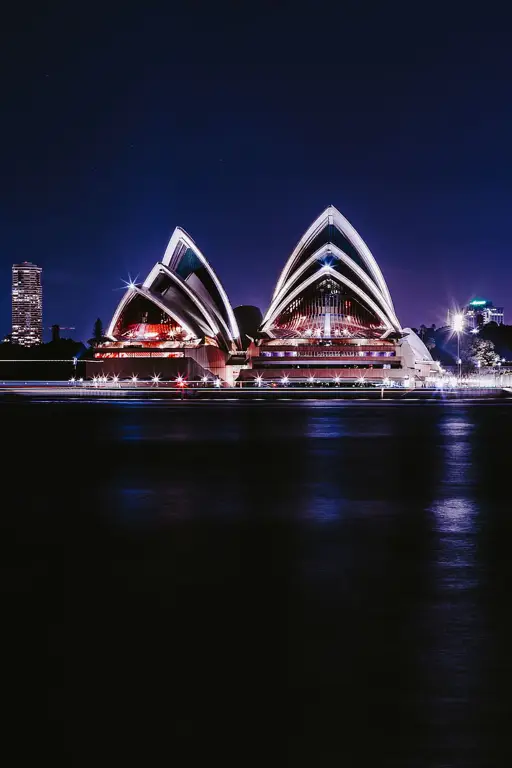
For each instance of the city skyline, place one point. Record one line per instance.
(114, 136)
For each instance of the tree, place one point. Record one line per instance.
(97, 333)
(482, 353)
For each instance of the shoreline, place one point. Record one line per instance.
(149, 393)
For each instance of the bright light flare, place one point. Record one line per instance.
(134, 379)
(285, 380)
(336, 379)
(131, 284)
(217, 383)
(259, 380)
(156, 378)
(458, 323)
(311, 379)
(204, 379)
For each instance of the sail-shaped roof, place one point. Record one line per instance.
(184, 293)
(331, 285)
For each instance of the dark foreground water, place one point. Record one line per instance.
(261, 583)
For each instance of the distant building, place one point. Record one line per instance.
(480, 312)
(27, 304)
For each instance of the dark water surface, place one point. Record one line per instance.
(262, 583)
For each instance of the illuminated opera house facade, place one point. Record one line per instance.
(331, 320)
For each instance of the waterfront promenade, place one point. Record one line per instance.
(148, 391)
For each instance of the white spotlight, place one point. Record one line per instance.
(458, 322)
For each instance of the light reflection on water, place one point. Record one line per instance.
(345, 550)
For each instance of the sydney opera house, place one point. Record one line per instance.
(331, 320)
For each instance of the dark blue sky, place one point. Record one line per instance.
(241, 122)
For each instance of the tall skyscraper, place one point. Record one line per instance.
(27, 304)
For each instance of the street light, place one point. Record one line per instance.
(458, 327)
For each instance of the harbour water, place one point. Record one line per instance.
(264, 583)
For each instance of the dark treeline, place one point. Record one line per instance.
(442, 343)
(61, 349)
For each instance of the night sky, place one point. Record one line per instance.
(240, 122)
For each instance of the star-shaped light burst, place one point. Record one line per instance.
(131, 284)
